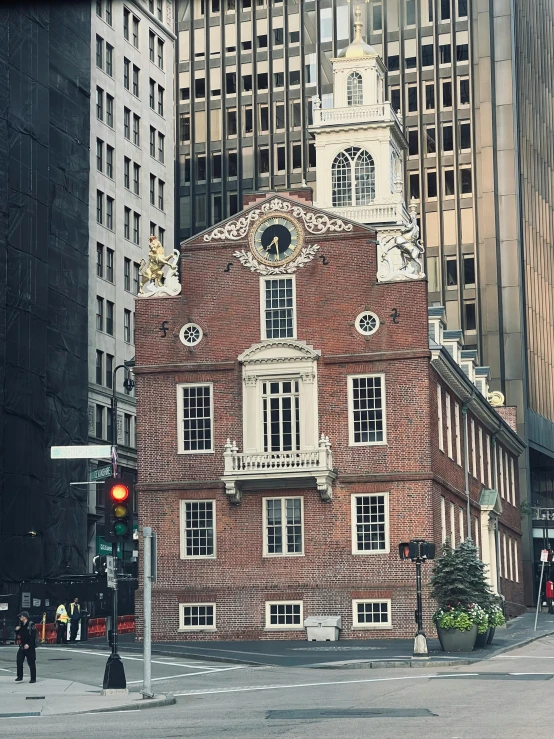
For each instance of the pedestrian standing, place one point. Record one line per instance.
(74, 618)
(61, 624)
(27, 635)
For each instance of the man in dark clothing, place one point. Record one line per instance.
(74, 618)
(26, 633)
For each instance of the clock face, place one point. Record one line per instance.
(277, 239)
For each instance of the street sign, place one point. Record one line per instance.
(104, 547)
(110, 571)
(544, 555)
(96, 451)
(101, 473)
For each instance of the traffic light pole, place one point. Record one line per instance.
(147, 613)
(421, 650)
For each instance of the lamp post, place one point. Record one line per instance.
(115, 678)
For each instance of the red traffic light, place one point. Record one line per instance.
(119, 492)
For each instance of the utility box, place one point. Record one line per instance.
(323, 628)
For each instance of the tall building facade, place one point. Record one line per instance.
(44, 205)
(132, 60)
(472, 87)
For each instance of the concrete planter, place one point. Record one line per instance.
(482, 639)
(453, 640)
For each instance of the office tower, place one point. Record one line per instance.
(131, 196)
(44, 185)
(472, 85)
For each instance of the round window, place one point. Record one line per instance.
(367, 323)
(191, 334)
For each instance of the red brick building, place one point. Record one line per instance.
(296, 420)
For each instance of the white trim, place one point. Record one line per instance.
(382, 625)
(507, 478)
(440, 420)
(182, 522)
(443, 520)
(350, 382)
(473, 450)
(489, 466)
(369, 552)
(481, 457)
(516, 565)
(283, 627)
(510, 558)
(452, 525)
(504, 557)
(180, 418)
(263, 280)
(461, 523)
(458, 434)
(512, 479)
(448, 425)
(359, 318)
(182, 334)
(283, 525)
(500, 462)
(182, 626)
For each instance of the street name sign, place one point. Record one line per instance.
(97, 451)
(101, 473)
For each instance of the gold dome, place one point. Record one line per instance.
(358, 48)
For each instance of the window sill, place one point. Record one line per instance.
(354, 445)
(370, 552)
(196, 451)
(378, 627)
(188, 629)
(283, 555)
(295, 627)
(199, 556)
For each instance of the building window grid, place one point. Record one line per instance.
(354, 89)
(443, 521)
(371, 613)
(283, 526)
(439, 416)
(481, 457)
(473, 450)
(279, 308)
(109, 264)
(127, 325)
(353, 165)
(458, 434)
(281, 415)
(199, 528)
(136, 228)
(452, 525)
(127, 274)
(367, 410)
(109, 161)
(489, 466)
(284, 615)
(99, 313)
(196, 418)
(370, 524)
(99, 260)
(197, 615)
(109, 60)
(448, 425)
(99, 367)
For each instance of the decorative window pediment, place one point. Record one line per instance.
(276, 350)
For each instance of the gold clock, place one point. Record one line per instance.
(276, 239)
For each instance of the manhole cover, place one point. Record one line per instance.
(306, 714)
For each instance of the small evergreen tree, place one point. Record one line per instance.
(459, 579)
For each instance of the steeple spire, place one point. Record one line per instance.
(358, 47)
(358, 25)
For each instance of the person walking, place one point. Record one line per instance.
(74, 618)
(27, 635)
(61, 624)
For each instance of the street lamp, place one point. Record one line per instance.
(419, 551)
(114, 675)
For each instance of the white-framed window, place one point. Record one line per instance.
(489, 467)
(367, 323)
(481, 459)
(439, 415)
(500, 470)
(473, 450)
(507, 478)
(516, 564)
(197, 616)
(448, 425)
(283, 526)
(461, 523)
(284, 615)
(458, 434)
(370, 523)
(354, 89)
(278, 307)
(476, 532)
(191, 334)
(510, 558)
(371, 614)
(366, 410)
(443, 520)
(452, 525)
(512, 481)
(198, 529)
(504, 557)
(353, 177)
(195, 418)
(281, 415)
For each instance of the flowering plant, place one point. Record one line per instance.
(496, 616)
(462, 618)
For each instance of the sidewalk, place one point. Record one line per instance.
(50, 697)
(346, 653)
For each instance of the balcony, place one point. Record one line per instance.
(385, 213)
(378, 113)
(278, 469)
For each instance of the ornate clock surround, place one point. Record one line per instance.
(276, 217)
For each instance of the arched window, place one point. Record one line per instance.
(354, 165)
(354, 89)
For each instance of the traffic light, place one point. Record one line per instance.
(118, 510)
(417, 549)
(99, 564)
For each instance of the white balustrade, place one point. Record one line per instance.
(354, 114)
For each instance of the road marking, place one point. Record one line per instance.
(249, 688)
(189, 674)
(518, 656)
(139, 659)
(5, 670)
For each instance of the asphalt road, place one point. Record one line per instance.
(507, 697)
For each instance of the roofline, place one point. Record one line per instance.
(270, 196)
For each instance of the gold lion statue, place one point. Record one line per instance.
(157, 260)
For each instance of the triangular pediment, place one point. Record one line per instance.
(316, 222)
(490, 501)
(279, 351)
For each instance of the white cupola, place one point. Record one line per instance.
(359, 141)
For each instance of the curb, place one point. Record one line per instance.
(193, 655)
(156, 702)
